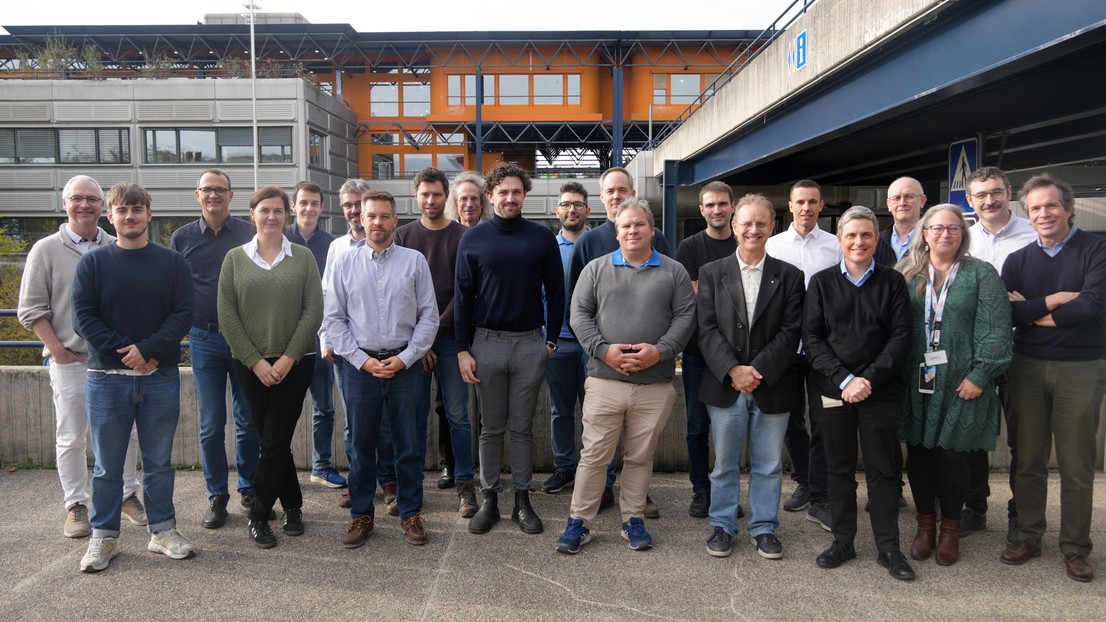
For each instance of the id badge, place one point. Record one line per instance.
(927, 378)
(937, 357)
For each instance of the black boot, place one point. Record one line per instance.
(487, 516)
(525, 515)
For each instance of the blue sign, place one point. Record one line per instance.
(963, 159)
(797, 54)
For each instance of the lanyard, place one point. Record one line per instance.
(933, 328)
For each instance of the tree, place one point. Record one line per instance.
(10, 328)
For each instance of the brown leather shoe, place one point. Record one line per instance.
(607, 500)
(357, 531)
(948, 546)
(651, 510)
(1020, 552)
(926, 538)
(1077, 567)
(413, 531)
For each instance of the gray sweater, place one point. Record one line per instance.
(621, 304)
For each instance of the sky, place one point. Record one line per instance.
(433, 15)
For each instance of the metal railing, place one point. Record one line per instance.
(38, 345)
(754, 48)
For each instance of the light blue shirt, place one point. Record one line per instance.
(618, 260)
(1055, 250)
(862, 279)
(900, 248)
(380, 301)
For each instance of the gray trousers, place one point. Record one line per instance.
(511, 367)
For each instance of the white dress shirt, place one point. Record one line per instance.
(994, 248)
(811, 254)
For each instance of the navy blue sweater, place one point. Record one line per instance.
(502, 265)
(123, 297)
(1080, 331)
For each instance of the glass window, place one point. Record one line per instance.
(549, 90)
(385, 139)
(385, 165)
(275, 144)
(451, 138)
(422, 139)
(449, 163)
(161, 146)
(470, 90)
(685, 88)
(115, 146)
(35, 146)
(573, 89)
(77, 146)
(453, 90)
(660, 88)
(7, 146)
(415, 162)
(514, 90)
(197, 146)
(384, 99)
(416, 99)
(316, 148)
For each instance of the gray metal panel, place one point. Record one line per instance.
(175, 111)
(242, 110)
(317, 116)
(31, 111)
(92, 111)
(168, 177)
(42, 204)
(283, 177)
(15, 178)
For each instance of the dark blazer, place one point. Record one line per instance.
(767, 341)
(885, 253)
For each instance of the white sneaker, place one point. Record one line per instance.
(99, 554)
(171, 543)
(133, 511)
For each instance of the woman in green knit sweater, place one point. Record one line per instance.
(962, 338)
(270, 308)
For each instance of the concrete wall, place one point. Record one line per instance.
(27, 428)
(837, 30)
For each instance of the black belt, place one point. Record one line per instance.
(380, 355)
(211, 328)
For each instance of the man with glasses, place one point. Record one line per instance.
(567, 369)
(204, 244)
(905, 201)
(996, 234)
(44, 308)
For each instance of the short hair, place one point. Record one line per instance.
(984, 173)
(430, 175)
(354, 186)
(503, 170)
(857, 212)
(467, 177)
(574, 187)
(269, 192)
(126, 193)
(639, 204)
(214, 171)
(617, 169)
(309, 186)
(379, 195)
(753, 198)
(805, 183)
(716, 186)
(1044, 180)
(76, 179)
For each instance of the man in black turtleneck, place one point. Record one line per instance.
(502, 265)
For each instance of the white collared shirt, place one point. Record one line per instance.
(811, 254)
(994, 248)
(83, 245)
(751, 276)
(251, 252)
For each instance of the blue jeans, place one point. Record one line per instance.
(369, 401)
(212, 364)
(565, 374)
(732, 425)
(116, 404)
(698, 424)
(322, 412)
(385, 455)
(455, 398)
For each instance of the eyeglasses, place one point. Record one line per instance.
(572, 204)
(907, 198)
(210, 190)
(350, 205)
(940, 229)
(995, 194)
(89, 200)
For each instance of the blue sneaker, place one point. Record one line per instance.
(574, 537)
(634, 532)
(328, 477)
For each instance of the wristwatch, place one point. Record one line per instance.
(552, 346)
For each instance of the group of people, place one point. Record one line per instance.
(926, 333)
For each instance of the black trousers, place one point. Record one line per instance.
(937, 473)
(805, 451)
(275, 411)
(876, 423)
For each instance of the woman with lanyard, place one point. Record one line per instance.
(270, 307)
(962, 338)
